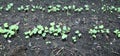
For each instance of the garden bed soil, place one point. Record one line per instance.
(103, 45)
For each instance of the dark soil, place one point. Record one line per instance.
(103, 45)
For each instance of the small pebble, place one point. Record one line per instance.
(30, 44)
(9, 41)
(30, 0)
(111, 43)
(95, 43)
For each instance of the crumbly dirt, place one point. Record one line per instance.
(103, 45)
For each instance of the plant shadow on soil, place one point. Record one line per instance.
(103, 45)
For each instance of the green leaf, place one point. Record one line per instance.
(59, 30)
(64, 28)
(54, 9)
(39, 32)
(102, 31)
(19, 9)
(31, 33)
(55, 34)
(51, 29)
(40, 27)
(5, 25)
(107, 31)
(32, 9)
(1, 8)
(94, 31)
(22, 7)
(58, 5)
(73, 6)
(57, 26)
(64, 36)
(48, 42)
(1, 30)
(119, 35)
(35, 30)
(50, 6)
(101, 26)
(116, 31)
(118, 9)
(5, 30)
(52, 23)
(69, 7)
(79, 34)
(68, 29)
(86, 6)
(44, 34)
(27, 37)
(46, 28)
(5, 36)
(49, 11)
(28, 32)
(13, 27)
(11, 32)
(65, 7)
(9, 36)
(11, 4)
(77, 31)
(96, 27)
(94, 36)
(74, 38)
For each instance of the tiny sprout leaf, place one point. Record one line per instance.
(27, 37)
(64, 36)
(40, 27)
(5, 25)
(119, 35)
(94, 36)
(35, 30)
(77, 32)
(52, 23)
(14, 27)
(5, 36)
(39, 32)
(44, 34)
(101, 26)
(58, 5)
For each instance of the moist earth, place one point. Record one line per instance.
(103, 45)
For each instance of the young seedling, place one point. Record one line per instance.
(74, 39)
(78, 33)
(118, 9)
(1, 8)
(9, 6)
(65, 29)
(117, 32)
(37, 30)
(54, 30)
(52, 27)
(64, 36)
(65, 8)
(8, 31)
(78, 9)
(48, 42)
(20, 8)
(54, 8)
(86, 7)
(98, 29)
(27, 8)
